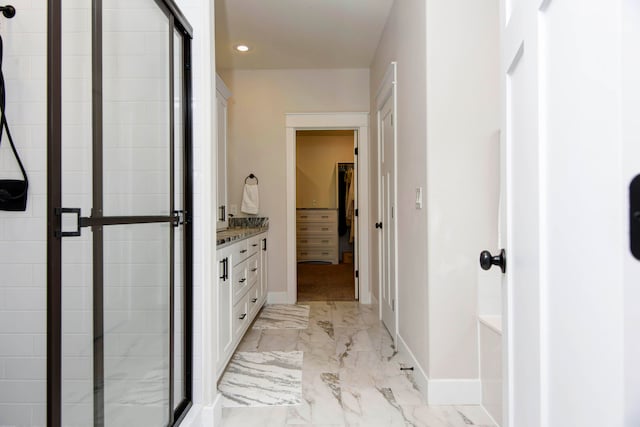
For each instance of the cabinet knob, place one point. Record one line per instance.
(242, 280)
(253, 300)
(243, 316)
(254, 269)
(243, 251)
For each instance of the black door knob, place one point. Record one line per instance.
(487, 260)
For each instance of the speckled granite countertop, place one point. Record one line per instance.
(241, 228)
(232, 235)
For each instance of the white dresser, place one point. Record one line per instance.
(317, 235)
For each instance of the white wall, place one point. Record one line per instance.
(448, 120)
(404, 41)
(257, 141)
(462, 165)
(316, 156)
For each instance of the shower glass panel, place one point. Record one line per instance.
(136, 324)
(77, 259)
(136, 108)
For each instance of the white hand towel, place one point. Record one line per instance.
(250, 199)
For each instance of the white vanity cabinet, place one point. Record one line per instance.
(241, 291)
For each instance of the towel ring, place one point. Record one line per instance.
(251, 176)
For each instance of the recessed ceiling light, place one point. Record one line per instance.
(242, 48)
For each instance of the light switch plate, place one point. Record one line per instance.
(419, 198)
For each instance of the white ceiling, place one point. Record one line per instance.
(299, 33)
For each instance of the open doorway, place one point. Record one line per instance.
(326, 222)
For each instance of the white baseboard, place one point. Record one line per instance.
(278, 298)
(374, 300)
(454, 392)
(419, 375)
(441, 392)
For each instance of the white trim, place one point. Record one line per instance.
(387, 89)
(317, 121)
(279, 298)
(222, 88)
(193, 417)
(356, 121)
(455, 392)
(493, 322)
(214, 413)
(420, 377)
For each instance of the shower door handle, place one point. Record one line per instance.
(60, 212)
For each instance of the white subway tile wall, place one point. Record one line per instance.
(22, 234)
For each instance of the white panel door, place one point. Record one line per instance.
(387, 197)
(521, 220)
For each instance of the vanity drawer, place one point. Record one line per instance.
(305, 229)
(253, 245)
(316, 215)
(240, 318)
(239, 252)
(253, 301)
(240, 282)
(253, 270)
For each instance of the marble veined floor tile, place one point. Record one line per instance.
(372, 407)
(446, 416)
(351, 375)
(322, 401)
(262, 379)
(271, 416)
(283, 316)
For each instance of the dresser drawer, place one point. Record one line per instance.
(316, 216)
(305, 229)
(317, 255)
(317, 242)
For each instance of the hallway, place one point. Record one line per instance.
(350, 376)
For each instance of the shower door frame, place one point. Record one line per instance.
(177, 24)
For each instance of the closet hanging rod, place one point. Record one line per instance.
(8, 11)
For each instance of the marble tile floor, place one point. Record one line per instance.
(282, 316)
(269, 378)
(350, 377)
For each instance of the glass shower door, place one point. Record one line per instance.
(124, 233)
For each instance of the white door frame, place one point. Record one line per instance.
(329, 121)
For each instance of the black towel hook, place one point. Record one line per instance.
(8, 11)
(251, 176)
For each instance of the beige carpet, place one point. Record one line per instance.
(326, 282)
